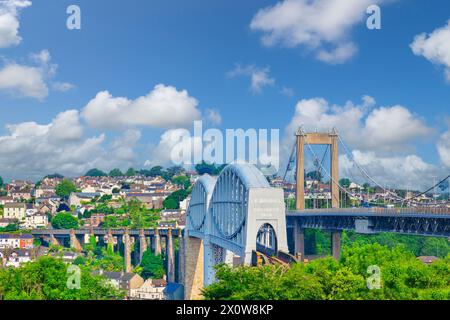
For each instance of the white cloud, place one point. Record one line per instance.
(383, 129)
(172, 141)
(23, 81)
(163, 107)
(213, 116)
(31, 80)
(382, 139)
(31, 150)
(259, 77)
(321, 26)
(288, 92)
(9, 21)
(62, 86)
(435, 47)
(404, 171)
(443, 147)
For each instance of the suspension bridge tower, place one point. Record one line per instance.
(308, 139)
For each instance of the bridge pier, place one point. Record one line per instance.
(74, 242)
(336, 244)
(110, 240)
(194, 269)
(127, 251)
(54, 241)
(157, 243)
(299, 241)
(170, 258)
(142, 244)
(181, 258)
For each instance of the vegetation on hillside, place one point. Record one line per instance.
(402, 276)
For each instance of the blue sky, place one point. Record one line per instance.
(127, 48)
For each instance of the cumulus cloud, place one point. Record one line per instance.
(23, 81)
(382, 129)
(163, 107)
(404, 171)
(383, 139)
(31, 150)
(259, 77)
(435, 47)
(176, 147)
(30, 81)
(213, 116)
(443, 147)
(321, 26)
(9, 21)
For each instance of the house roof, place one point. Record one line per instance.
(15, 205)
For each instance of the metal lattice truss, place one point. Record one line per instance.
(438, 226)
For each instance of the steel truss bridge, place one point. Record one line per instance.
(412, 221)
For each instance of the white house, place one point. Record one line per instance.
(15, 210)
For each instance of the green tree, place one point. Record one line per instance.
(152, 265)
(345, 182)
(1, 182)
(65, 188)
(65, 220)
(115, 173)
(46, 279)
(130, 172)
(95, 173)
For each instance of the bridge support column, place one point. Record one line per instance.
(54, 241)
(299, 241)
(336, 244)
(157, 243)
(181, 257)
(170, 257)
(195, 255)
(127, 251)
(110, 240)
(142, 244)
(74, 242)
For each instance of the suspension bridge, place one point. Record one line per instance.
(238, 218)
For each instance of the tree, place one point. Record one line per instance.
(182, 181)
(116, 173)
(206, 168)
(95, 173)
(64, 221)
(345, 182)
(1, 182)
(152, 265)
(130, 172)
(65, 188)
(173, 200)
(54, 176)
(47, 278)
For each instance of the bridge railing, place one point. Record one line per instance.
(407, 210)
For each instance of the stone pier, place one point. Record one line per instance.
(157, 243)
(142, 244)
(336, 245)
(127, 251)
(299, 241)
(170, 257)
(74, 242)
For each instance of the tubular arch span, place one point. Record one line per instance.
(225, 215)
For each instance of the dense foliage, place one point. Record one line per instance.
(46, 279)
(402, 277)
(64, 220)
(174, 199)
(65, 188)
(152, 265)
(208, 168)
(95, 173)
